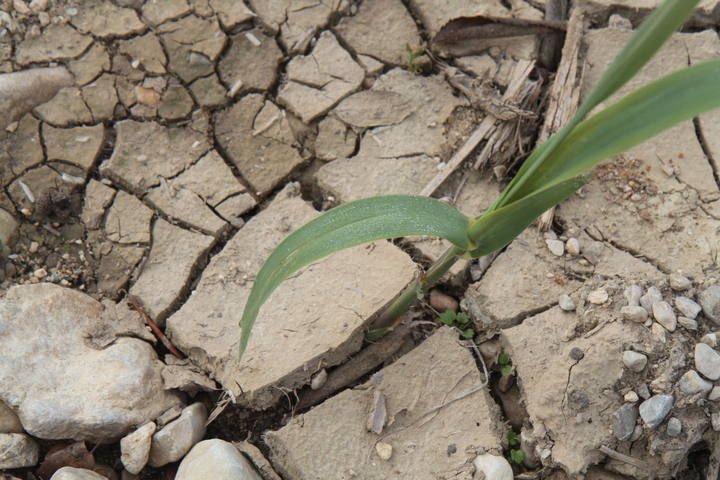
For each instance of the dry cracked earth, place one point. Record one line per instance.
(199, 133)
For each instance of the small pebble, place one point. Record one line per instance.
(707, 361)
(634, 361)
(566, 303)
(556, 247)
(572, 246)
(598, 297)
(654, 410)
(34, 246)
(442, 302)
(663, 313)
(714, 394)
(319, 379)
(691, 383)
(674, 427)
(624, 421)
(679, 282)
(634, 313)
(632, 295)
(40, 273)
(659, 332)
(631, 397)
(651, 296)
(689, 308)
(384, 450)
(710, 301)
(709, 339)
(643, 391)
(576, 354)
(688, 323)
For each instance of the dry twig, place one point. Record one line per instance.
(135, 304)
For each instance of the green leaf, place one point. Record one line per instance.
(462, 318)
(636, 118)
(645, 42)
(506, 370)
(468, 333)
(504, 359)
(512, 438)
(517, 456)
(496, 228)
(346, 226)
(447, 317)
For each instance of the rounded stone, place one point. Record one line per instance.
(691, 383)
(566, 303)
(679, 282)
(493, 467)
(688, 307)
(707, 361)
(635, 314)
(72, 473)
(654, 410)
(674, 427)
(634, 361)
(572, 246)
(624, 421)
(710, 302)
(664, 315)
(218, 460)
(556, 247)
(177, 437)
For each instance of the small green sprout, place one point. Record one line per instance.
(505, 362)
(512, 438)
(459, 320)
(517, 456)
(413, 55)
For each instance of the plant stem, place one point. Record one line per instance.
(418, 287)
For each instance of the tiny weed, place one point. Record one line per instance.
(517, 456)
(505, 362)
(413, 55)
(459, 320)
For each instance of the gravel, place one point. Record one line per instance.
(624, 421)
(679, 282)
(651, 296)
(632, 295)
(710, 302)
(688, 307)
(634, 313)
(688, 323)
(691, 383)
(598, 297)
(654, 410)
(556, 247)
(572, 246)
(707, 361)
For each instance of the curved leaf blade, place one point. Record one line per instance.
(636, 118)
(497, 228)
(346, 226)
(641, 47)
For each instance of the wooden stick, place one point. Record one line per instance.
(135, 304)
(565, 91)
(520, 74)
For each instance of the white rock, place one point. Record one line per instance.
(714, 394)
(710, 339)
(715, 421)
(319, 379)
(572, 246)
(96, 382)
(634, 313)
(679, 282)
(707, 361)
(135, 448)
(178, 436)
(493, 467)
(556, 247)
(598, 297)
(217, 460)
(710, 301)
(689, 308)
(631, 397)
(72, 473)
(688, 323)
(651, 296)
(692, 383)
(634, 361)
(384, 450)
(654, 410)
(664, 315)
(17, 450)
(566, 303)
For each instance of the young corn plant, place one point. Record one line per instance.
(553, 172)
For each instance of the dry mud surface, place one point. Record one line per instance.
(198, 133)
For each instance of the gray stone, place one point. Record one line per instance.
(715, 421)
(362, 31)
(176, 438)
(216, 459)
(674, 427)
(17, 450)
(336, 296)
(664, 315)
(679, 282)
(635, 314)
(318, 81)
(566, 303)
(692, 383)
(634, 361)
(654, 410)
(710, 301)
(632, 295)
(72, 473)
(174, 255)
(624, 421)
(410, 387)
(687, 307)
(135, 448)
(707, 361)
(651, 296)
(688, 323)
(97, 381)
(557, 247)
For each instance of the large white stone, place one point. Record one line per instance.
(218, 460)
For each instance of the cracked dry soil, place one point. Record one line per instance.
(199, 133)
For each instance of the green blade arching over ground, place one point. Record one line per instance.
(641, 47)
(636, 118)
(346, 226)
(497, 228)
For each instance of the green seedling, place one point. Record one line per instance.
(413, 55)
(517, 456)
(505, 363)
(554, 171)
(459, 320)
